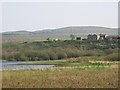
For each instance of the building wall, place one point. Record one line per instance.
(92, 37)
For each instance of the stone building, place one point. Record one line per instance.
(113, 38)
(92, 37)
(102, 36)
(78, 38)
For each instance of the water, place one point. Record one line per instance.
(13, 66)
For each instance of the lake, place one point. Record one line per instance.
(14, 66)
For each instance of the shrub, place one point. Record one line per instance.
(32, 55)
(87, 53)
(113, 57)
(20, 57)
(23, 58)
(52, 55)
(99, 53)
(110, 51)
(72, 53)
(43, 56)
(61, 55)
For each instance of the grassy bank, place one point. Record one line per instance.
(83, 74)
(73, 62)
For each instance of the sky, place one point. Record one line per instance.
(32, 16)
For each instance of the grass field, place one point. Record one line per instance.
(65, 75)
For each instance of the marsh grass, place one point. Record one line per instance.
(73, 75)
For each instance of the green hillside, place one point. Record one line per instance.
(60, 33)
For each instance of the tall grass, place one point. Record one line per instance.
(61, 78)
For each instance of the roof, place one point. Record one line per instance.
(89, 35)
(94, 35)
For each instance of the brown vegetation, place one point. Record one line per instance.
(61, 78)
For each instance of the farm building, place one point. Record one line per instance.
(102, 36)
(115, 38)
(78, 38)
(92, 37)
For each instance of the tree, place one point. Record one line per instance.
(72, 37)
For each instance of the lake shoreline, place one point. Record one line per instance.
(29, 65)
(14, 66)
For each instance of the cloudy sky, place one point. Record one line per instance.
(33, 16)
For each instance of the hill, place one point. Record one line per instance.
(61, 33)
